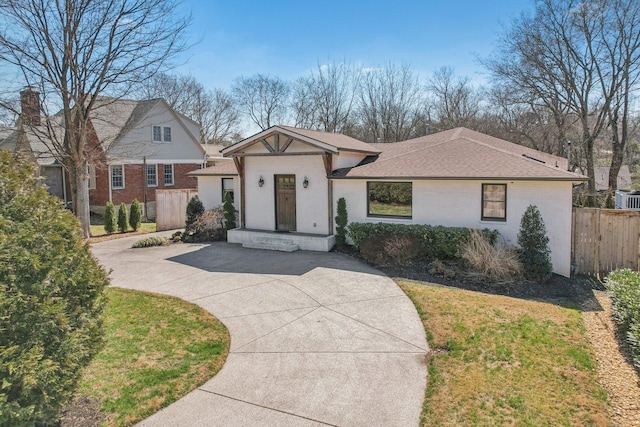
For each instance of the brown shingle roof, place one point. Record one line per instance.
(460, 154)
(327, 140)
(222, 168)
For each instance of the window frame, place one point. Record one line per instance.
(164, 175)
(232, 191)
(153, 134)
(166, 130)
(113, 186)
(483, 217)
(155, 167)
(375, 215)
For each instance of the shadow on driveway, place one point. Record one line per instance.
(229, 258)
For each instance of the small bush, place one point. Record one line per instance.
(229, 212)
(624, 287)
(195, 208)
(208, 227)
(437, 268)
(110, 222)
(436, 242)
(387, 249)
(495, 263)
(151, 241)
(123, 221)
(342, 218)
(535, 254)
(177, 236)
(135, 215)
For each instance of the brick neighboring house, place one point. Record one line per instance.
(138, 148)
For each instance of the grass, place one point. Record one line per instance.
(505, 361)
(157, 349)
(97, 230)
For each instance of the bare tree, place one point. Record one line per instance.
(579, 60)
(456, 102)
(213, 110)
(391, 103)
(264, 99)
(324, 100)
(73, 51)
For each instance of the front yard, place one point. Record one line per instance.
(503, 361)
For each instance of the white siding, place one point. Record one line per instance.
(346, 159)
(138, 141)
(458, 203)
(210, 191)
(311, 203)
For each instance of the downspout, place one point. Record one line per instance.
(110, 189)
(144, 185)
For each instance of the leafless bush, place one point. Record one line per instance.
(387, 249)
(207, 227)
(496, 263)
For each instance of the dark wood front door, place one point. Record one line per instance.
(285, 202)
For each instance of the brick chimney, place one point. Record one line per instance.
(30, 106)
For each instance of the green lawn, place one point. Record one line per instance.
(97, 230)
(157, 349)
(505, 361)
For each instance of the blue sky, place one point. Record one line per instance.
(288, 38)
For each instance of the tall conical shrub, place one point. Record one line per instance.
(341, 222)
(229, 212)
(122, 218)
(110, 218)
(135, 215)
(534, 246)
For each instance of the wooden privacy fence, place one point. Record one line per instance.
(604, 240)
(171, 208)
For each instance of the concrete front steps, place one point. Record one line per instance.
(285, 242)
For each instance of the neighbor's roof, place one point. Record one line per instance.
(222, 168)
(602, 178)
(328, 141)
(460, 153)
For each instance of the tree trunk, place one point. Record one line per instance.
(81, 202)
(591, 200)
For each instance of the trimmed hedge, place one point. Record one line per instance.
(435, 241)
(624, 287)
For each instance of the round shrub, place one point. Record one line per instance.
(110, 222)
(535, 254)
(51, 299)
(135, 215)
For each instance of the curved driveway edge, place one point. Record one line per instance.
(316, 338)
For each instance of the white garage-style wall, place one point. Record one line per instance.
(210, 191)
(458, 203)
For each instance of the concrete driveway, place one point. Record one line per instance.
(316, 338)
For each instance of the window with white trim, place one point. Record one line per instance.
(168, 175)
(494, 202)
(117, 177)
(152, 175)
(157, 134)
(167, 134)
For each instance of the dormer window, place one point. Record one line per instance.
(161, 134)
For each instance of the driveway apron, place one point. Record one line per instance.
(316, 338)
